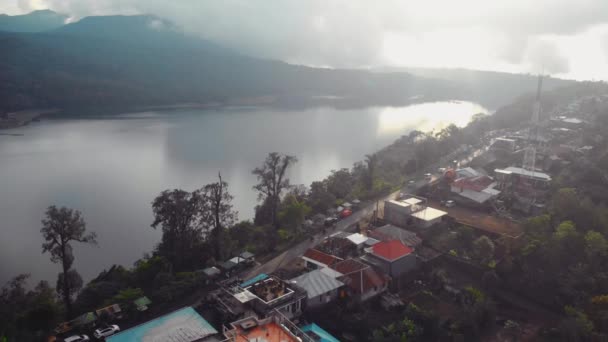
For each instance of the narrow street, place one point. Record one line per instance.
(347, 224)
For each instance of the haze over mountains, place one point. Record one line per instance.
(116, 63)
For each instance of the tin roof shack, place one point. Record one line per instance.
(392, 257)
(320, 287)
(475, 190)
(261, 297)
(111, 312)
(411, 211)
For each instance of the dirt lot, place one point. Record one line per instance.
(481, 220)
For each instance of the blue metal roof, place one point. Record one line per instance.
(320, 332)
(184, 325)
(254, 280)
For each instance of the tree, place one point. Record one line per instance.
(179, 214)
(484, 249)
(565, 230)
(372, 163)
(478, 309)
(576, 326)
(340, 183)
(319, 198)
(25, 315)
(272, 181)
(293, 213)
(60, 228)
(72, 283)
(465, 236)
(595, 244)
(218, 213)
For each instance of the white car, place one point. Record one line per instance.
(77, 338)
(105, 332)
(450, 203)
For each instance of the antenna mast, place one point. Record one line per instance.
(530, 151)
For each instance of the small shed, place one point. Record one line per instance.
(211, 273)
(248, 256)
(227, 267)
(142, 303)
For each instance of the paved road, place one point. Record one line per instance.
(299, 249)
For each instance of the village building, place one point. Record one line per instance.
(392, 257)
(260, 296)
(411, 212)
(314, 259)
(320, 287)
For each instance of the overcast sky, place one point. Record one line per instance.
(568, 38)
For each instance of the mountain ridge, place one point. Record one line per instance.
(108, 63)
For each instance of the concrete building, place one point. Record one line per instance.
(260, 296)
(275, 328)
(411, 211)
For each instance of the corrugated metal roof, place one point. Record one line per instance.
(390, 232)
(254, 280)
(323, 335)
(184, 325)
(317, 283)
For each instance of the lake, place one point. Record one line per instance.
(111, 168)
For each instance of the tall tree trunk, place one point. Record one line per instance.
(218, 224)
(275, 207)
(66, 286)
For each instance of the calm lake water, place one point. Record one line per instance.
(112, 168)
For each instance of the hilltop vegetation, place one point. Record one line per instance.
(112, 63)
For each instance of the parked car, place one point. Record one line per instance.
(450, 203)
(330, 221)
(428, 175)
(105, 332)
(345, 213)
(77, 338)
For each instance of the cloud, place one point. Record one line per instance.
(545, 57)
(353, 33)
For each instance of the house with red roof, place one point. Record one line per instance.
(315, 259)
(362, 280)
(392, 257)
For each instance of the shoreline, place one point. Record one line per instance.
(22, 118)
